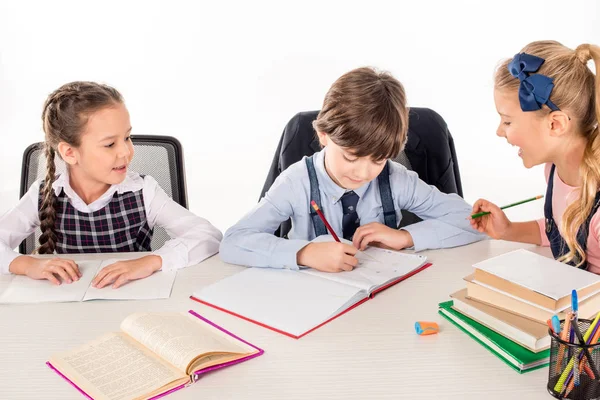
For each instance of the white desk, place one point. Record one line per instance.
(372, 352)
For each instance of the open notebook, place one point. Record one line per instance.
(23, 289)
(153, 355)
(295, 303)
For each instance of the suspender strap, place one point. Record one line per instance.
(315, 195)
(389, 211)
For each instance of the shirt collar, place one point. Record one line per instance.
(332, 190)
(132, 183)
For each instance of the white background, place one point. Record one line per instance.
(225, 78)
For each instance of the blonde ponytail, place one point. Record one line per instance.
(577, 212)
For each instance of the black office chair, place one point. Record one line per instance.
(429, 151)
(158, 156)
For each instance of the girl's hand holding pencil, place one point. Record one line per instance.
(494, 223)
(488, 218)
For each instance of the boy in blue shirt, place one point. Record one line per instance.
(362, 124)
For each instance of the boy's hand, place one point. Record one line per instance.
(496, 224)
(379, 235)
(56, 270)
(328, 256)
(122, 272)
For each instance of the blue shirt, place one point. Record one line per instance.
(251, 241)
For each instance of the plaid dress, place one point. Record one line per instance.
(121, 226)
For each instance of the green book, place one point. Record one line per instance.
(516, 356)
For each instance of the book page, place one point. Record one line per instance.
(116, 367)
(538, 273)
(23, 289)
(181, 338)
(156, 286)
(375, 268)
(290, 301)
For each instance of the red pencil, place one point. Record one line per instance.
(329, 228)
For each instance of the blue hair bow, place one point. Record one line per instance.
(535, 89)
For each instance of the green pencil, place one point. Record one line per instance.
(481, 214)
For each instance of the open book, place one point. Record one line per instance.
(154, 354)
(297, 302)
(23, 289)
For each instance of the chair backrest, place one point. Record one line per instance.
(158, 156)
(429, 151)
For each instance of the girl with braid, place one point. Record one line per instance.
(98, 205)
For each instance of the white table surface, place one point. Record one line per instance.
(372, 352)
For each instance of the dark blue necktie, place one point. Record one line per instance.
(350, 220)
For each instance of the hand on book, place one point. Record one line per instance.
(496, 224)
(379, 235)
(328, 256)
(56, 270)
(124, 271)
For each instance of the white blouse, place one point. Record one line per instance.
(193, 238)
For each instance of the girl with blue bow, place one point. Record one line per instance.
(549, 104)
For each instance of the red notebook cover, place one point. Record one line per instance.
(427, 265)
(197, 374)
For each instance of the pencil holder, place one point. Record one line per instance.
(573, 371)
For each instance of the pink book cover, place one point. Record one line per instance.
(196, 373)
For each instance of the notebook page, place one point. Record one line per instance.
(290, 301)
(538, 273)
(156, 286)
(23, 289)
(376, 267)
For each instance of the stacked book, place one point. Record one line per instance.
(508, 300)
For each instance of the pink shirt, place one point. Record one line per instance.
(562, 196)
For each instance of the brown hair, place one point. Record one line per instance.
(365, 111)
(577, 93)
(65, 114)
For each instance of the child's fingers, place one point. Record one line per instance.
(59, 270)
(103, 272)
(68, 267)
(363, 231)
(108, 279)
(486, 206)
(121, 280)
(356, 239)
(102, 275)
(358, 236)
(345, 267)
(349, 249)
(72, 263)
(477, 205)
(367, 237)
(50, 276)
(366, 241)
(482, 205)
(478, 224)
(75, 267)
(350, 261)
